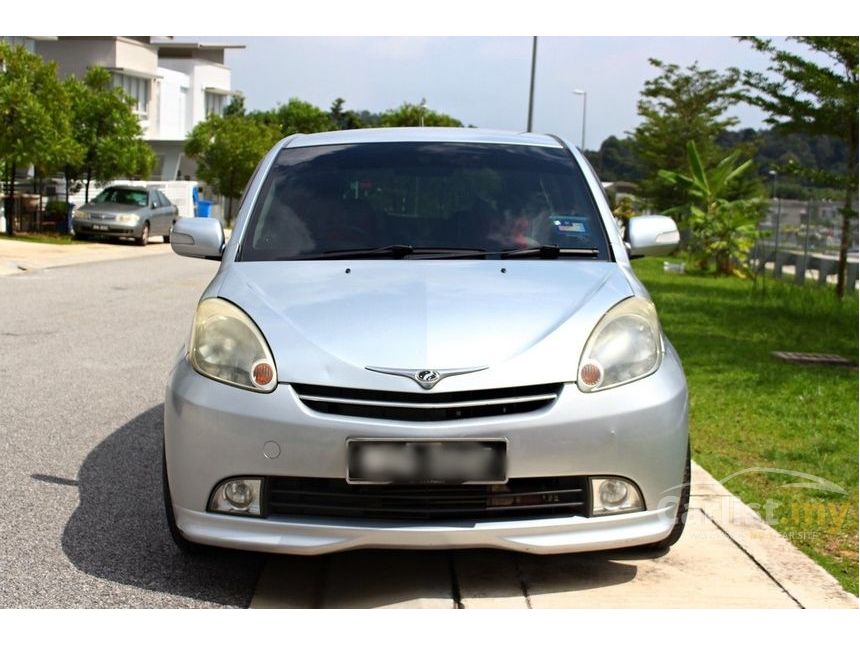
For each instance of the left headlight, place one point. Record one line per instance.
(79, 214)
(227, 346)
(626, 345)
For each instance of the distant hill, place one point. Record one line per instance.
(616, 159)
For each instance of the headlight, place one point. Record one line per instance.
(227, 346)
(625, 345)
(81, 215)
(128, 219)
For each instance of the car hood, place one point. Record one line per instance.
(526, 321)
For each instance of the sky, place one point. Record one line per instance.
(483, 81)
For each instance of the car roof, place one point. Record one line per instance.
(392, 135)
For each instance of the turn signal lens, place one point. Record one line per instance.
(263, 374)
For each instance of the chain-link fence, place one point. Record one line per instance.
(801, 240)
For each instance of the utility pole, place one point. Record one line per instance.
(532, 84)
(584, 95)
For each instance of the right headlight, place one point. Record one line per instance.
(80, 215)
(626, 345)
(227, 346)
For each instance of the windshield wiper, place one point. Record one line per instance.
(548, 252)
(396, 251)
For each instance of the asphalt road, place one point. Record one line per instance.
(84, 355)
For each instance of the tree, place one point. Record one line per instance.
(34, 124)
(227, 150)
(295, 116)
(412, 114)
(616, 160)
(344, 119)
(805, 96)
(721, 229)
(236, 106)
(677, 106)
(107, 131)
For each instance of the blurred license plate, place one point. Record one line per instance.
(100, 227)
(445, 462)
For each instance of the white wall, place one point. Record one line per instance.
(174, 105)
(203, 74)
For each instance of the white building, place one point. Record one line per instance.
(175, 85)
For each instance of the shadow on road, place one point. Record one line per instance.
(119, 531)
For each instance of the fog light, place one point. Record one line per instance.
(240, 496)
(614, 495)
(613, 492)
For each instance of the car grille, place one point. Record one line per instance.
(525, 497)
(442, 406)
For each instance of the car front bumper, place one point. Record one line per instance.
(214, 431)
(107, 228)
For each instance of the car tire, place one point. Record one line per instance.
(166, 238)
(680, 517)
(144, 236)
(186, 546)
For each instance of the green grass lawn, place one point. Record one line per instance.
(748, 409)
(42, 238)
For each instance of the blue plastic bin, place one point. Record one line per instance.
(204, 208)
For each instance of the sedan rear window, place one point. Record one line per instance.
(491, 197)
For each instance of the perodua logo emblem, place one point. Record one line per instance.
(428, 378)
(425, 378)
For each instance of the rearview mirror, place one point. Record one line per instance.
(651, 235)
(197, 238)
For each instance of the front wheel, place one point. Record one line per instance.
(144, 236)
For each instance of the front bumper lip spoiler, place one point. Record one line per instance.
(308, 536)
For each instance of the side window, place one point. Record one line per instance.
(163, 198)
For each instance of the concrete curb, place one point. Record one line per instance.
(797, 574)
(18, 258)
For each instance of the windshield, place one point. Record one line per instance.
(121, 196)
(490, 197)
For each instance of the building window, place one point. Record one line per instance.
(137, 88)
(214, 103)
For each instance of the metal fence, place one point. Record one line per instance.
(801, 240)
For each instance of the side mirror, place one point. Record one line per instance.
(651, 235)
(197, 238)
(153, 205)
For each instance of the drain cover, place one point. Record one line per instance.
(814, 359)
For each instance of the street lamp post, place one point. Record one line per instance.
(777, 269)
(584, 105)
(532, 84)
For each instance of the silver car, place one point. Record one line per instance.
(126, 211)
(425, 338)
